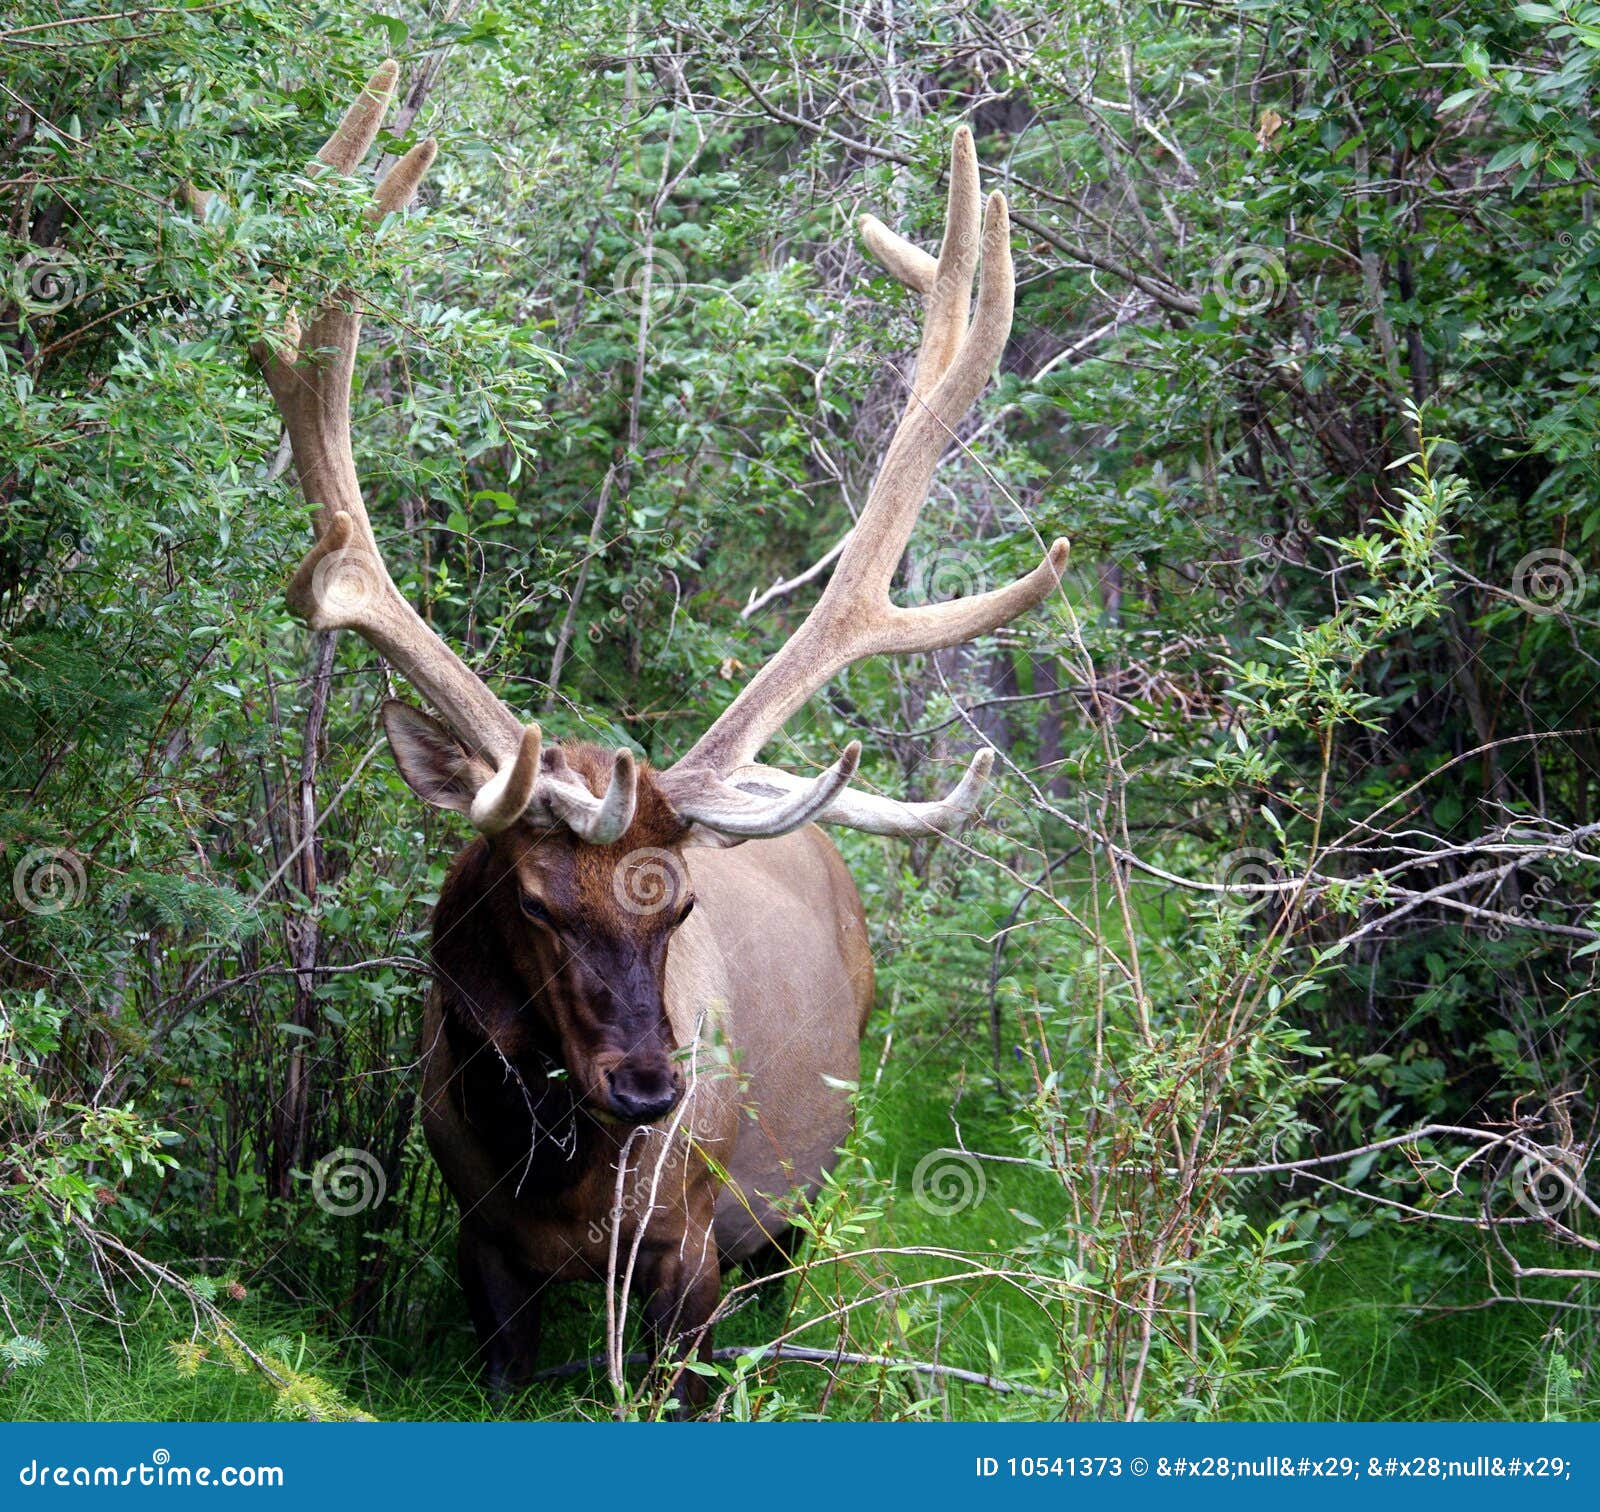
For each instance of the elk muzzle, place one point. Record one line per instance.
(632, 1083)
(617, 1040)
(643, 1089)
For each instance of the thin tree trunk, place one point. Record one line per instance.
(292, 1110)
(564, 636)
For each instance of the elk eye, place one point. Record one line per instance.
(534, 909)
(688, 908)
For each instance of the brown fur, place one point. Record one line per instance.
(755, 1003)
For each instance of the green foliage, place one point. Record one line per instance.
(1292, 851)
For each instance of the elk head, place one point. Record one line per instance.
(582, 917)
(568, 831)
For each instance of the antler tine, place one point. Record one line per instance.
(358, 127)
(946, 280)
(855, 618)
(343, 584)
(501, 801)
(913, 456)
(599, 821)
(901, 487)
(399, 185)
(945, 321)
(764, 802)
(869, 812)
(904, 260)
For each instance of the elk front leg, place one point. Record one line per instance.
(504, 1301)
(684, 1287)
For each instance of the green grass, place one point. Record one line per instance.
(1403, 1335)
(1384, 1360)
(1386, 1346)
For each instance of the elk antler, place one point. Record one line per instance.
(717, 782)
(343, 584)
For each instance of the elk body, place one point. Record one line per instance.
(650, 986)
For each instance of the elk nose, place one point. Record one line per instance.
(642, 1096)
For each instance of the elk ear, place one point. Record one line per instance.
(435, 766)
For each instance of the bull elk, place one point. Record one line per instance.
(642, 1029)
